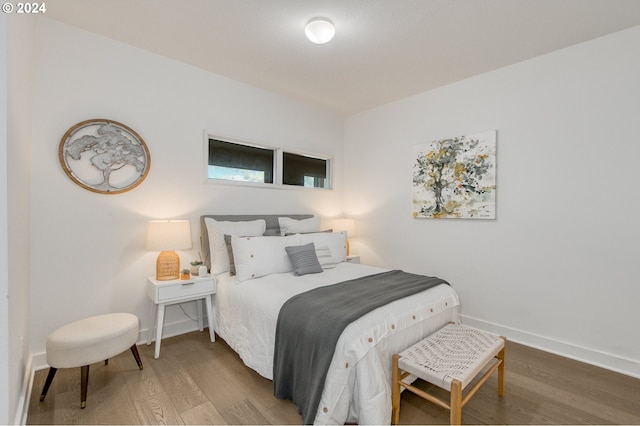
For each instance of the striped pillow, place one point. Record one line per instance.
(325, 258)
(304, 259)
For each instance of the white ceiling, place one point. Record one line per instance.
(383, 50)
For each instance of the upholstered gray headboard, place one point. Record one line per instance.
(273, 228)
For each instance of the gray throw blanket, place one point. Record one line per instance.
(310, 324)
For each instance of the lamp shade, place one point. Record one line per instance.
(168, 235)
(348, 225)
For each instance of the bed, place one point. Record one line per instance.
(255, 279)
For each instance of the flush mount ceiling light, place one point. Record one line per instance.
(320, 30)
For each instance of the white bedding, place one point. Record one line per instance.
(357, 386)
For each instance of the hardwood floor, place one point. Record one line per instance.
(198, 382)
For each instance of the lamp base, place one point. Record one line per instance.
(168, 266)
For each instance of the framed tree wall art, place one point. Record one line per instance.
(456, 177)
(104, 156)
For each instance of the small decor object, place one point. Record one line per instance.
(167, 236)
(195, 267)
(104, 156)
(185, 274)
(202, 271)
(456, 178)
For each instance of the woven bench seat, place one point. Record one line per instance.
(451, 358)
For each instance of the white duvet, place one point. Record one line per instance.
(357, 388)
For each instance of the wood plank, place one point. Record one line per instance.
(563, 373)
(184, 391)
(215, 372)
(204, 414)
(156, 409)
(108, 399)
(140, 383)
(67, 408)
(243, 413)
(40, 412)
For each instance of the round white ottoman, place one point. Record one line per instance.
(90, 340)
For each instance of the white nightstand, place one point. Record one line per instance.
(354, 258)
(163, 293)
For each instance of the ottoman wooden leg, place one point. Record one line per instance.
(136, 355)
(395, 390)
(456, 403)
(84, 382)
(501, 357)
(47, 383)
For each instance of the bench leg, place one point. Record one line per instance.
(84, 383)
(47, 383)
(395, 391)
(456, 402)
(136, 355)
(501, 357)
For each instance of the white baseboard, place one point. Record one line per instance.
(171, 329)
(611, 362)
(23, 400)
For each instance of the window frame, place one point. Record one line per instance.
(278, 166)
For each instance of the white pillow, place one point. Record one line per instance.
(217, 247)
(294, 226)
(335, 241)
(259, 256)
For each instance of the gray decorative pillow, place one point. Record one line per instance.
(232, 264)
(304, 259)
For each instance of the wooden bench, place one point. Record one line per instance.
(451, 358)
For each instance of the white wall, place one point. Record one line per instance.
(19, 115)
(4, 233)
(87, 249)
(15, 141)
(558, 267)
(554, 270)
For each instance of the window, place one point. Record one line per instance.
(244, 163)
(303, 170)
(254, 164)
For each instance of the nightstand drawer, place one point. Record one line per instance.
(186, 289)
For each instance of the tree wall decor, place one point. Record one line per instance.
(104, 156)
(456, 177)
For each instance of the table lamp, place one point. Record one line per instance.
(348, 225)
(166, 236)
